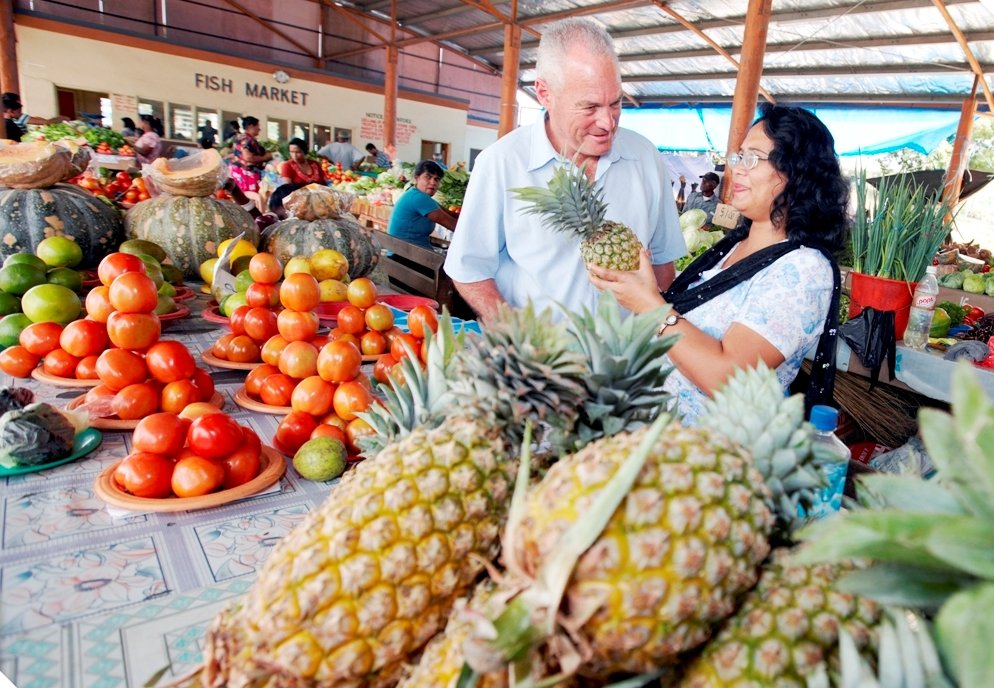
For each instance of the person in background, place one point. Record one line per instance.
(249, 157)
(207, 133)
(148, 146)
(298, 169)
(341, 152)
(21, 118)
(231, 132)
(769, 290)
(416, 212)
(129, 128)
(500, 254)
(379, 158)
(705, 199)
(437, 158)
(11, 111)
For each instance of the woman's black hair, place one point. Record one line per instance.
(429, 166)
(298, 142)
(153, 122)
(281, 192)
(248, 121)
(128, 122)
(813, 206)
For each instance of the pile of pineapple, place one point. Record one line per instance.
(463, 553)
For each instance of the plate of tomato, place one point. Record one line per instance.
(40, 375)
(210, 359)
(115, 423)
(83, 443)
(243, 399)
(213, 314)
(273, 466)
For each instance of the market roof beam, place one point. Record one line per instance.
(262, 22)
(924, 100)
(804, 73)
(978, 70)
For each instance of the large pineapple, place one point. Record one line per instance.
(670, 552)
(930, 542)
(370, 576)
(573, 204)
(786, 630)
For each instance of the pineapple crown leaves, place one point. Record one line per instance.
(417, 396)
(627, 369)
(520, 368)
(571, 203)
(752, 411)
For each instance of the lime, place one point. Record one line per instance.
(17, 278)
(28, 258)
(67, 277)
(10, 328)
(59, 252)
(242, 280)
(51, 303)
(232, 302)
(9, 303)
(323, 458)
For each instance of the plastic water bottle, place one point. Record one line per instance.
(922, 310)
(826, 419)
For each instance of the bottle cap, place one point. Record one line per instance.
(824, 418)
(931, 270)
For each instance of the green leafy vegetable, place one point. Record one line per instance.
(955, 312)
(34, 435)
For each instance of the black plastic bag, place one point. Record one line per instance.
(871, 335)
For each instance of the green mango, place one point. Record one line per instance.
(141, 246)
(166, 305)
(166, 289)
(172, 274)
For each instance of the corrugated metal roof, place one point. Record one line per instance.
(868, 51)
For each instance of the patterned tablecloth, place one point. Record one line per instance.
(94, 596)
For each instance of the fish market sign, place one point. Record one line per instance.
(275, 94)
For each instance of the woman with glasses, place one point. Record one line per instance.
(769, 290)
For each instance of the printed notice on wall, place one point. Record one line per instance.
(371, 128)
(124, 106)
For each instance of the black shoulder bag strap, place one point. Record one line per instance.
(684, 298)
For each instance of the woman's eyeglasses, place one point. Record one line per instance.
(747, 160)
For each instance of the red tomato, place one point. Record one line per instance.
(177, 395)
(383, 366)
(60, 363)
(297, 326)
(326, 430)
(339, 361)
(136, 401)
(18, 361)
(336, 335)
(265, 269)
(133, 331)
(354, 431)
(115, 264)
(118, 368)
(243, 349)
(169, 361)
(262, 295)
(300, 292)
(249, 438)
(299, 360)
(361, 292)
(255, 378)
(351, 398)
(220, 348)
(214, 435)
(98, 304)
(133, 292)
(86, 369)
(41, 337)
(379, 317)
(260, 323)
(237, 320)
(398, 349)
(84, 338)
(271, 349)
(277, 389)
(197, 409)
(160, 433)
(98, 393)
(196, 475)
(295, 429)
(313, 395)
(420, 320)
(123, 177)
(144, 474)
(205, 383)
(351, 320)
(241, 466)
(373, 343)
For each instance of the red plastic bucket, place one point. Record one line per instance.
(883, 294)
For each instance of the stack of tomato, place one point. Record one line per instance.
(135, 191)
(126, 151)
(189, 454)
(139, 374)
(255, 323)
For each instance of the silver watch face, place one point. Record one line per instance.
(672, 319)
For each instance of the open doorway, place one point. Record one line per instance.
(429, 150)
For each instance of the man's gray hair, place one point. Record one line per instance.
(557, 40)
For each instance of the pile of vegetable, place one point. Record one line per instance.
(969, 281)
(452, 188)
(58, 131)
(34, 435)
(697, 235)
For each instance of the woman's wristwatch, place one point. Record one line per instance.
(671, 319)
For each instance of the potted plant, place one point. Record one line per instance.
(894, 238)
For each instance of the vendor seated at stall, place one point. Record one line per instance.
(416, 212)
(298, 169)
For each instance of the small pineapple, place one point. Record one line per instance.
(573, 204)
(371, 575)
(785, 631)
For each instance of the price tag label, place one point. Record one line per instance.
(725, 216)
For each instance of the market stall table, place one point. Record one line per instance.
(95, 596)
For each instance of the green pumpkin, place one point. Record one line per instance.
(189, 228)
(31, 215)
(296, 237)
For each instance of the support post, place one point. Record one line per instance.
(953, 184)
(509, 79)
(390, 88)
(757, 23)
(9, 80)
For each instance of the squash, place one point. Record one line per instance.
(189, 229)
(29, 215)
(296, 237)
(200, 174)
(34, 165)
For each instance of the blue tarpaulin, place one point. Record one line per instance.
(857, 131)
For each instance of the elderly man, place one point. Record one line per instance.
(705, 199)
(342, 153)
